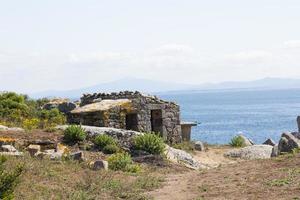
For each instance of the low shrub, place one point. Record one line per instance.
(237, 141)
(150, 143)
(121, 161)
(186, 146)
(74, 133)
(110, 149)
(30, 124)
(8, 179)
(103, 140)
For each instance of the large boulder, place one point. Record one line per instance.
(182, 157)
(287, 143)
(251, 152)
(124, 137)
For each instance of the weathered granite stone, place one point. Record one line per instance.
(296, 134)
(77, 156)
(182, 157)
(98, 165)
(11, 153)
(33, 149)
(287, 143)
(251, 152)
(270, 142)
(8, 148)
(3, 128)
(199, 146)
(275, 151)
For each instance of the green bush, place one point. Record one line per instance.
(119, 161)
(103, 140)
(74, 133)
(110, 149)
(150, 143)
(30, 124)
(8, 179)
(237, 141)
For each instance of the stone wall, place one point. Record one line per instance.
(142, 105)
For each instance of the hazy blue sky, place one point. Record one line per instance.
(46, 44)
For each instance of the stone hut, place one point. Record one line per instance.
(131, 111)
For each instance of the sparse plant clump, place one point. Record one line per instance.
(104, 140)
(186, 146)
(122, 162)
(237, 141)
(74, 133)
(110, 149)
(150, 143)
(8, 179)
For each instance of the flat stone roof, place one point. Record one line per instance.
(101, 106)
(188, 123)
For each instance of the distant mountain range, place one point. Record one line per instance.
(150, 86)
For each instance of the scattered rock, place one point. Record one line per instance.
(77, 156)
(156, 160)
(180, 156)
(251, 152)
(287, 143)
(99, 164)
(269, 142)
(3, 128)
(11, 153)
(8, 148)
(199, 146)
(33, 149)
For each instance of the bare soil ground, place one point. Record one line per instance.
(277, 178)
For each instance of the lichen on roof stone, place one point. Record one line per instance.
(102, 105)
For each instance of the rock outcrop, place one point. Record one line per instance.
(182, 157)
(5, 128)
(287, 143)
(251, 152)
(269, 142)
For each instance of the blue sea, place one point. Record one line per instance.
(222, 114)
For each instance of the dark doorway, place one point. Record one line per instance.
(131, 122)
(156, 121)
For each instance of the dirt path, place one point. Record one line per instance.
(277, 178)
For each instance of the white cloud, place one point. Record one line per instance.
(249, 57)
(292, 44)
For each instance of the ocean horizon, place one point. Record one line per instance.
(222, 114)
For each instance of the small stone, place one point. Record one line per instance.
(199, 146)
(99, 164)
(8, 148)
(77, 156)
(33, 149)
(270, 142)
(56, 156)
